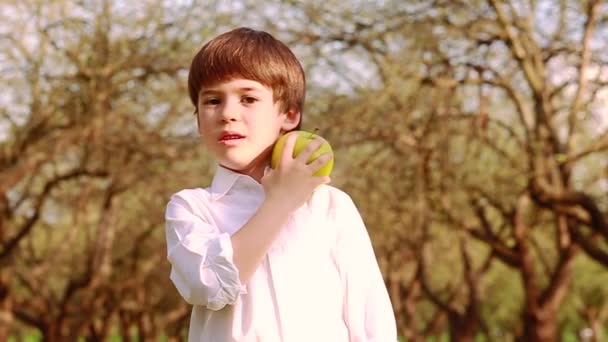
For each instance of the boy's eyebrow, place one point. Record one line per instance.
(210, 91)
(242, 89)
(250, 89)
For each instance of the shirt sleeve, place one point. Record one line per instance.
(202, 268)
(368, 312)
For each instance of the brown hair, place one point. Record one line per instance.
(254, 55)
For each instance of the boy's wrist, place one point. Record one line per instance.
(279, 205)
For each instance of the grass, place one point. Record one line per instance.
(34, 336)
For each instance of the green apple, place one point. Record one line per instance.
(304, 138)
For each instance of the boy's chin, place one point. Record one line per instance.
(245, 167)
(248, 163)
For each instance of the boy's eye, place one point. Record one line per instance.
(249, 99)
(211, 101)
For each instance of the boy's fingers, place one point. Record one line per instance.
(305, 154)
(324, 180)
(321, 161)
(268, 172)
(316, 182)
(290, 142)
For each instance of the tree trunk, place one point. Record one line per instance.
(51, 333)
(596, 328)
(6, 309)
(124, 325)
(541, 326)
(462, 327)
(591, 315)
(6, 314)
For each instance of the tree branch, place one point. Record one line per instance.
(7, 247)
(592, 12)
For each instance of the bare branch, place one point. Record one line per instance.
(593, 8)
(24, 229)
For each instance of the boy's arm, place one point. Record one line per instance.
(209, 267)
(286, 188)
(252, 241)
(201, 257)
(368, 312)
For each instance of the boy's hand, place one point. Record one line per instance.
(292, 183)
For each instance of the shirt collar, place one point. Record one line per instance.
(225, 179)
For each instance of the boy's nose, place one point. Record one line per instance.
(229, 112)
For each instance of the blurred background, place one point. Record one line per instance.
(472, 134)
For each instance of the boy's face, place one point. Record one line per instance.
(239, 122)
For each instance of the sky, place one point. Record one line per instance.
(357, 68)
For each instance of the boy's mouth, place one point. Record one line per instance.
(225, 136)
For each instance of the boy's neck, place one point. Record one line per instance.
(256, 173)
(257, 167)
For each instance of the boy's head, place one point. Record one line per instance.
(254, 55)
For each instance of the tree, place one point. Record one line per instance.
(471, 135)
(93, 146)
(474, 94)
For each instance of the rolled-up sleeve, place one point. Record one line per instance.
(202, 267)
(368, 312)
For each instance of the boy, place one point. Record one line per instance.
(268, 255)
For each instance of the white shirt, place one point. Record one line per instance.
(319, 281)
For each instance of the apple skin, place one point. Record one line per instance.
(304, 138)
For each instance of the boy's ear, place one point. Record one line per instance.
(292, 120)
